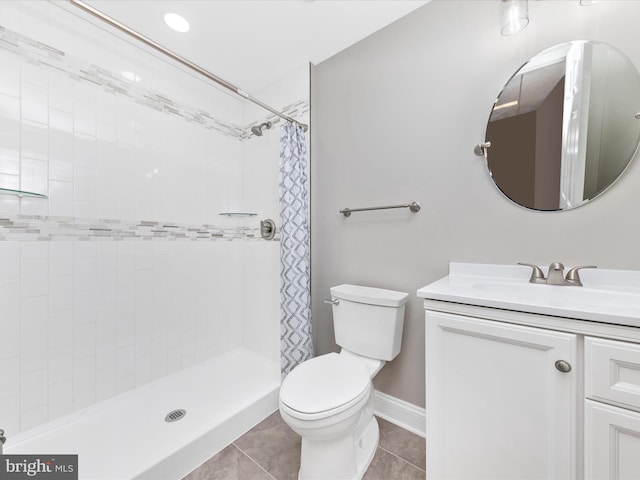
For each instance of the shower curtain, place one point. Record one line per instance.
(295, 285)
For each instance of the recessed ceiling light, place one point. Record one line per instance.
(132, 77)
(177, 22)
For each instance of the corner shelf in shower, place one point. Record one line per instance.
(21, 193)
(238, 214)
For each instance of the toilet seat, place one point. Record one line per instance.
(325, 386)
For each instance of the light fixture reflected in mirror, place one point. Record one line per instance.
(177, 22)
(514, 16)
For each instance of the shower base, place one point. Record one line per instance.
(127, 436)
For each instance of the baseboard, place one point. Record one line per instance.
(401, 413)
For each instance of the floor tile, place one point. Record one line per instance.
(229, 464)
(402, 443)
(386, 466)
(274, 446)
(271, 450)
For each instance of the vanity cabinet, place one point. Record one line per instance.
(514, 395)
(501, 399)
(532, 381)
(612, 409)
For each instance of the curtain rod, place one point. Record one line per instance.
(123, 28)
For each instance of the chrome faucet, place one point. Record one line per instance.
(556, 274)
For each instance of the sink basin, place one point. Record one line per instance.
(609, 296)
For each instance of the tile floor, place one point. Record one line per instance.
(271, 451)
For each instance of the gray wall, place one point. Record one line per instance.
(395, 119)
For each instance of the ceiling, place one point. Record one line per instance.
(253, 43)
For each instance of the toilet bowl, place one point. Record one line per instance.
(328, 400)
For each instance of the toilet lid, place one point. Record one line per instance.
(324, 383)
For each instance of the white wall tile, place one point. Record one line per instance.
(106, 288)
(106, 257)
(10, 414)
(61, 330)
(35, 103)
(9, 204)
(9, 144)
(60, 293)
(84, 116)
(33, 418)
(106, 110)
(34, 176)
(106, 384)
(84, 399)
(9, 330)
(84, 270)
(60, 399)
(10, 377)
(34, 206)
(10, 260)
(61, 34)
(86, 210)
(61, 155)
(60, 121)
(125, 328)
(60, 198)
(61, 92)
(84, 307)
(34, 332)
(10, 78)
(33, 390)
(33, 73)
(125, 368)
(84, 374)
(85, 249)
(34, 277)
(60, 365)
(10, 107)
(60, 258)
(35, 141)
(84, 150)
(106, 336)
(9, 323)
(34, 19)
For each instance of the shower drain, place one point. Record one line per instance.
(175, 415)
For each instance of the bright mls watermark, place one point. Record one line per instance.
(49, 467)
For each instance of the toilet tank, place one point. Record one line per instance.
(369, 321)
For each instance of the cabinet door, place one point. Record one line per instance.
(497, 405)
(612, 442)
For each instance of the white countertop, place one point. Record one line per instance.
(608, 296)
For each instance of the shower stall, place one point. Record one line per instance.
(134, 281)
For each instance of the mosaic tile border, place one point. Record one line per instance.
(45, 228)
(48, 57)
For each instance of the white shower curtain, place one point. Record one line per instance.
(295, 285)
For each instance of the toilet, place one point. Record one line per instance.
(328, 400)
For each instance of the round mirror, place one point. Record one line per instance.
(565, 126)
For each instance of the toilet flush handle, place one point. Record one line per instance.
(332, 301)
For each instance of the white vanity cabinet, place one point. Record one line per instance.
(612, 409)
(497, 405)
(532, 381)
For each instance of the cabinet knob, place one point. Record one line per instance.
(562, 366)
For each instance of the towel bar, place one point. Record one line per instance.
(413, 206)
